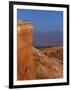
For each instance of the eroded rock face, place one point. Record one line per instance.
(46, 68)
(25, 64)
(56, 52)
(33, 63)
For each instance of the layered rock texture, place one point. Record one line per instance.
(47, 67)
(36, 63)
(25, 63)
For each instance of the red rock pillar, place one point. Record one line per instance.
(25, 63)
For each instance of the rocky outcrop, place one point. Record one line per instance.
(33, 63)
(25, 63)
(56, 52)
(46, 67)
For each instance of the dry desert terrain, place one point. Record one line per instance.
(36, 63)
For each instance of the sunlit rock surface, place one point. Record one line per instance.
(34, 63)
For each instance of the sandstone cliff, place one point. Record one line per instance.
(33, 63)
(25, 63)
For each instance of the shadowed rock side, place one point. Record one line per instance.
(33, 63)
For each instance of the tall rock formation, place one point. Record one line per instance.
(36, 63)
(25, 63)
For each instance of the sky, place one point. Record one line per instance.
(48, 26)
